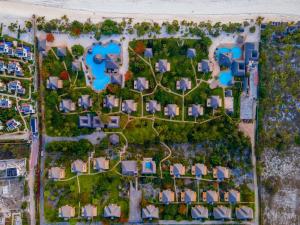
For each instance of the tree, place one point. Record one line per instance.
(50, 37)
(139, 47)
(182, 209)
(77, 50)
(28, 25)
(109, 27)
(128, 75)
(252, 29)
(64, 75)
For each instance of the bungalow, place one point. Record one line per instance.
(61, 52)
(171, 110)
(250, 52)
(247, 109)
(12, 124)
(221, 173)
(233, 196)
(42, 44)
(205, 66)
(2, 66)
(199, 212)
(129, 168)
(195, 110)
(114, 139)
(228, 104)
(89, 211)
(183, 84)
(56, 173)
(177, 170)
(21, 52)
(27, 109)
(222, 213)
(101, 164)
(148, 166)
(141, 84)
(129, 106)
(167, 196)
(78, 166)
(112, 211)
(150, 212)
(199, 170)
(76, 65)
(117, 79)
(153, 106)
(90, 121)
(66, 105)
(214, 102)
(111, 67)
(210, 196)
(113, 122)
(15, 68)
(4, 48)
(66, 212)
(188, 196)
(15, 86)
(54, 83)
(162, 66)
(191, 53)
(148, 53)
(238, 68)
(10, 52)
(85, 101)
(5, 103)
(110, 101)
(225, 59)
(244, 213)
(2, 86)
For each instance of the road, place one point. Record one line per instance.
(31, 176)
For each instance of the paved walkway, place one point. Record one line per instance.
(135, 196)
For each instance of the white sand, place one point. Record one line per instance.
(156, 10)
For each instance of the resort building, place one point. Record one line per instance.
(244, 213)
(238, 68)
(110, 101)
(188, 196)
(233, 196)
(225, 59)
(214, 102)
(210, 196)
(199, 212)
(222, 213)
(114, 139)
(177, 170)
(66, 212)
(153, 106)
(221, 173)
(85, 101)
(195, 110)
(129, 106)
(27, 109)
(14, 68)
(101, 164)
(250, 52)
(12, 124)
(42, 44)
(162, 66)
(148, 53)
(90, 121)
(66, 105)
(184, 84)
(191, 53)
(205, 66)
(171, 110)
(78, 166)
(56, 173)
(199, 170)
(76, 66)
(61, 52)
(89, 211)
(2, 86)
(16, 86)
(141, 84)
(167, 196)
(54, 83)
(150, 212)
(117, 79)
(148, 166)
(129, 168)
(112, 211)
(247, 108)
(228, 104)
(5, 103)
(113, 122)
(2, 66)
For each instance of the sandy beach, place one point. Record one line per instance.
(153, 10)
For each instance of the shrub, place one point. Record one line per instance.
(252, 29)
(128, 75)
(64, 75)
(50, 37)
(77, 50)
(139, 47)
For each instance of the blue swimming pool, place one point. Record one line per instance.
(148, 165)
(98, 69)
(225, 78)
(235, 50)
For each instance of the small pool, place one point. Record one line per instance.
(225, 78)
(235, 50)
(148, 165)
(98, 69)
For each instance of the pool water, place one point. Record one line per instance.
(225, 78)
(235, 50)
(98, 70)
(148, 165)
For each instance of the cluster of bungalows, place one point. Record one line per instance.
(289, 28)
(16, 50)
(12, 68)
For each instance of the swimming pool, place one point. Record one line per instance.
(98, 69)
(225, 78)
(235, 50)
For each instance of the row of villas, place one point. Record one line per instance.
(13, 49)
(198, 212)
(12, 68)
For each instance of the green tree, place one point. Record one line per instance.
(77, 50)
